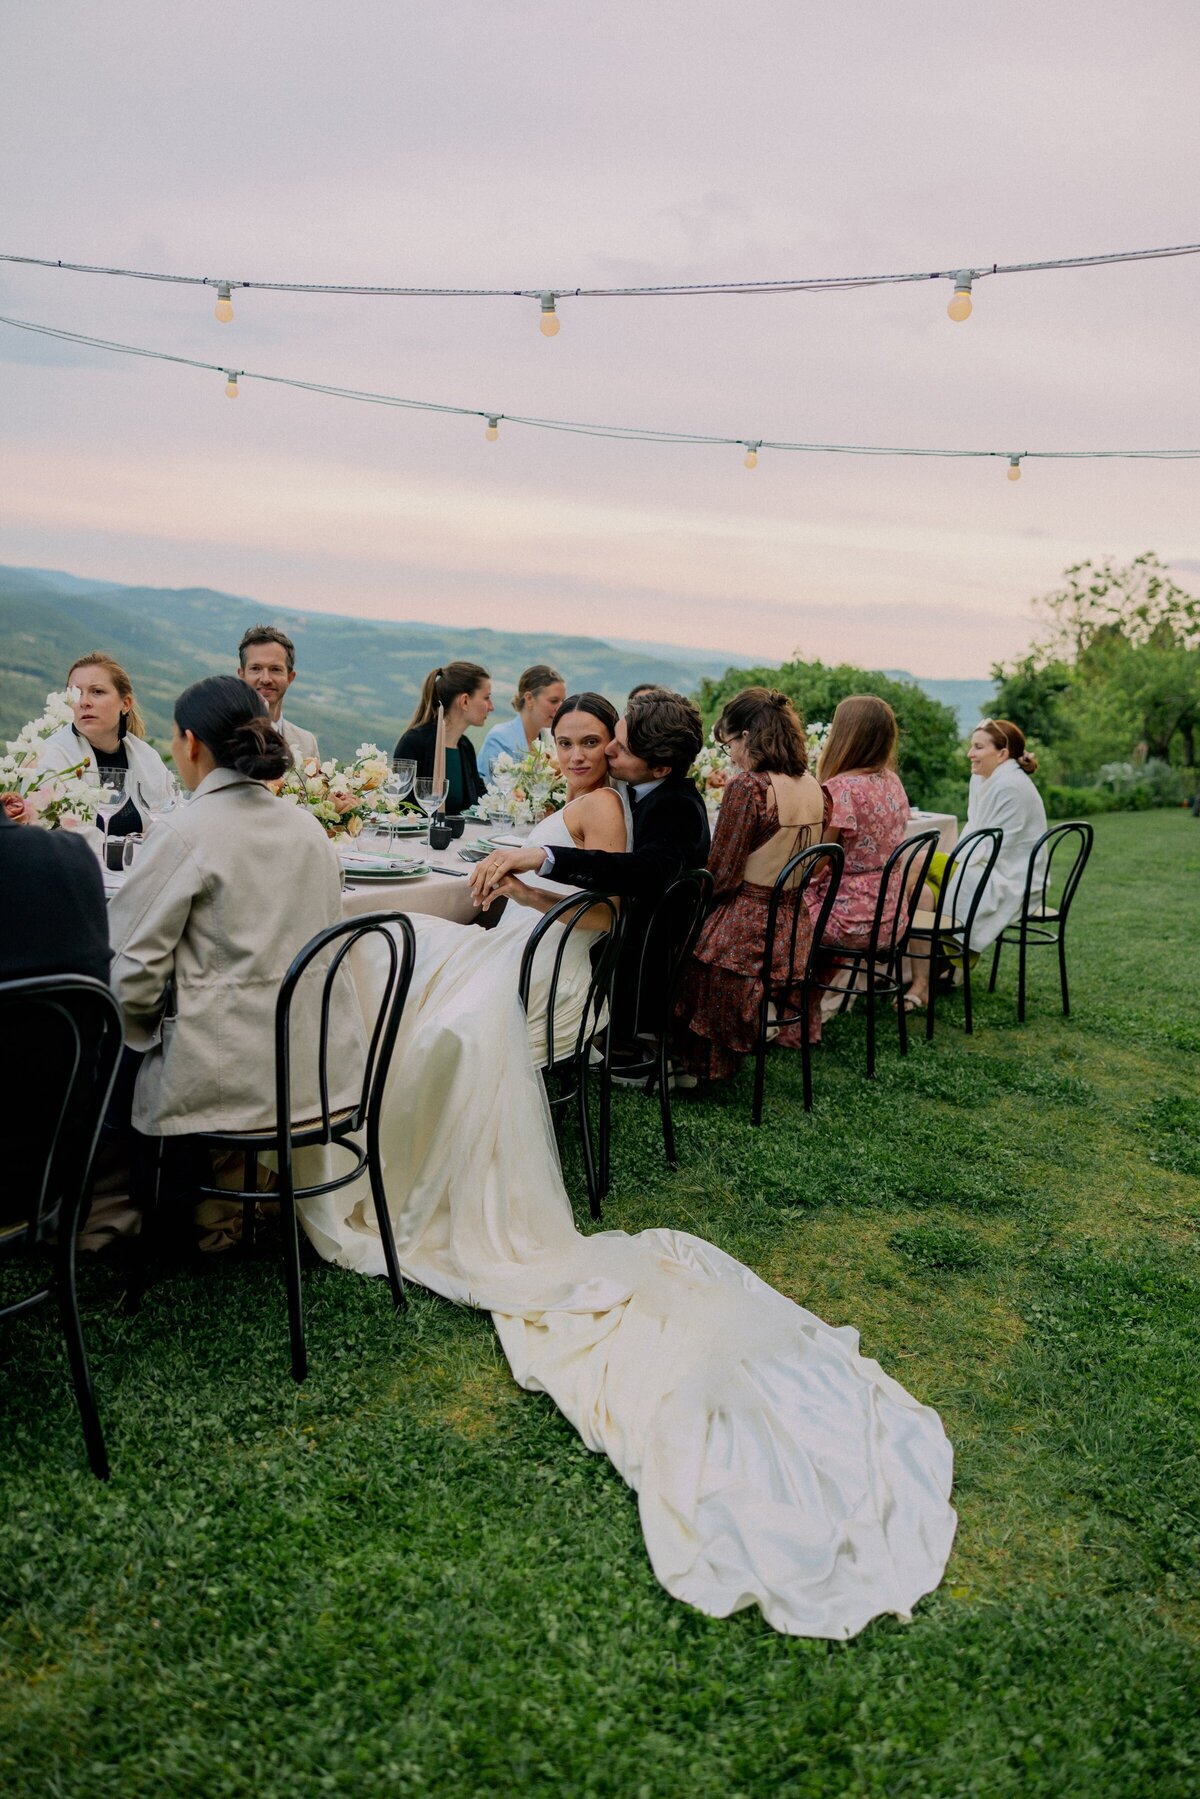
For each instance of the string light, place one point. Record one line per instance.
(231, 386)
(622, 433)
(223, 309)
(803, 284)
(750, 459)
(549, 322)
(960, 306)
(1014, 468)
(493, 427)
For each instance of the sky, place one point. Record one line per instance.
(510, 143)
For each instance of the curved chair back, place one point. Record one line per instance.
(68, 1027)
(1037, 901)
(974, 853)
(788, 891)
(569, 913)
(670, 938)
(900, 884)
(395, 932)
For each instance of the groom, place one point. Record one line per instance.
(655, 744)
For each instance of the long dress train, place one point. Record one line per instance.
(774, 1465)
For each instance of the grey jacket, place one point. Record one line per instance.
(221, 897)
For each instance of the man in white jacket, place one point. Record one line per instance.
(267, 662)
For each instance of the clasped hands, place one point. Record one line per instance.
(496, 876)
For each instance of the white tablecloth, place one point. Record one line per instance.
(944, 823)
(444, 894)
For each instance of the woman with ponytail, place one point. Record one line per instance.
(224, 893)
(463, 691)
(771, 809)
(107, 734)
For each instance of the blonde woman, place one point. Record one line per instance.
(107, 735)
(541, 690)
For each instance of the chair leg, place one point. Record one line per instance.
(966, 966)
(250, 1197)
(871, 1022)
(605, 1122)
(806, 1054)
(1021, 950)
(386, 1236)
(995, 964)
(72, 1324)
(931, 1004)
(291, 1270)
(1062, 972)
(664, 1104)
(760, 1062)
(591, 1174)
(145, 1183)
(901, 1016)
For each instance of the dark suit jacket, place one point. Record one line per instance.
(417, 743)
(53, 919)
(670, 833)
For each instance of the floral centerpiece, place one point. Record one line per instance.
(526, 787)
(54, 798)
(342, 796)
(711, 770)
(815, 735)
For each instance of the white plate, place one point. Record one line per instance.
(354, 874)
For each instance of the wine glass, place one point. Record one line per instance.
(169, 803)
(397, 785)
(110, 798)
(429, 797)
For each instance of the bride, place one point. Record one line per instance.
(774, 1465)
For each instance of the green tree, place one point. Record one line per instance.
(1031, 693)
(929, 735)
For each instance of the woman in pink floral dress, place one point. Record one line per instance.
(771, 809)
(866, 811)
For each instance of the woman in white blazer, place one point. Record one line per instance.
(1003, 797)
(225, 892)
(107, 734)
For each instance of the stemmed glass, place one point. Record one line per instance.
(431, 799)
(110, 799)
(397, 785)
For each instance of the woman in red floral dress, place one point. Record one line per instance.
(867, 812)
(771, 809)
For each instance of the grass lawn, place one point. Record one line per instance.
(410, 1577)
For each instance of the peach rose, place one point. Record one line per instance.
(15, 808)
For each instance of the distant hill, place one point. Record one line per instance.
(968, 700)
(358, 678)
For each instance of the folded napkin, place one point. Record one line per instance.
(362, 859)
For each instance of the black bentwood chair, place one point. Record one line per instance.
(1043, 920)
(394, 932)
(71, 1026)
(670, 938)
(788, 896)
(944, 930)
(882, 962)
(572, 1070)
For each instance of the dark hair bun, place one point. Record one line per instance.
(1028, 762)
(255, 748)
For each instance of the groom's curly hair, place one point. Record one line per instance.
(663, 728)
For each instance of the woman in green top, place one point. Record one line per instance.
(464, 691)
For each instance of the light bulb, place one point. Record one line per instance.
(231, 386)
(750, 459)
(960, 306)
(1014, 468)
(549, 321)
(493, 430)
(224, 307)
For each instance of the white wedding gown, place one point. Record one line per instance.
(774, 1465)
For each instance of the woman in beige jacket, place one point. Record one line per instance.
(225, 892)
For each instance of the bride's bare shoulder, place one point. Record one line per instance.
(600, 811)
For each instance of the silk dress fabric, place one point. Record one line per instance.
(774, 1466)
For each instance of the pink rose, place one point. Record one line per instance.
(344, 801)
(15, 808)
